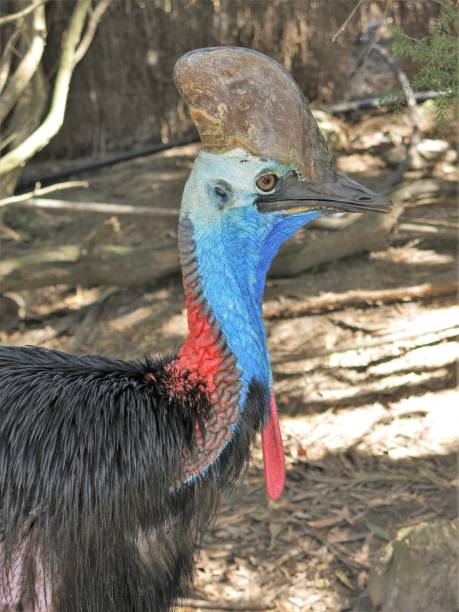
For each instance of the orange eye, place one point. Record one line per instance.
(267, 182)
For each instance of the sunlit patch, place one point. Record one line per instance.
(412, 256)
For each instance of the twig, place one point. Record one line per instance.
(7, 56)
(100, 207)
(7, 140)
(347, 20)
(28, 65)
(91, 29)
(412, 150)
(351, 564)
(429, 228)
(335, 301)
(38, 191)
(20, 14)
(228, 605)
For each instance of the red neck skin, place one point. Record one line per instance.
(200, 357)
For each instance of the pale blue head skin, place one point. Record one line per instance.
(235, 245)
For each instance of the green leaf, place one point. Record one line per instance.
(378, 532)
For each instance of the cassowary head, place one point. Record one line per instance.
(264, 165)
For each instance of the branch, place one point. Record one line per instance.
(105, 208)
(73, 264)
(23, 13)
(91, 29)
(38, 191)
(96, 207)
(245, 606)
(412, 149)
(330, 302)
(5, 62)
(55, 118)
(347, 20)
(28, 65)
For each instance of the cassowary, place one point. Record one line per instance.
(110, 471)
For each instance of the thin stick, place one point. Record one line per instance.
(228, 605)
(351, 564)
(38, 191)
(7, 56)
(20, 14)
(348, 18)
(100, 207)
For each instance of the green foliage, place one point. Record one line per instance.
(436, 55)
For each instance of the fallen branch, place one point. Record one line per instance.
(72, 264)
(352, 564)
(358, 297)
(368, 233)
(429, 228)
(228, 605)
(96, 207)
(38, 191)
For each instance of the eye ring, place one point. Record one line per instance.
(267, 182)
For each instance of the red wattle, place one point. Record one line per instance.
(273, 452)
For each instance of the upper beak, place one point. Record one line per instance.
(341, 195)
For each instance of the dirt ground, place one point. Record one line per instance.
(367, 394)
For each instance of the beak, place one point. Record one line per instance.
(341, 195)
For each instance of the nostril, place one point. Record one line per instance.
(364, 198)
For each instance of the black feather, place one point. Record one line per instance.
(91, 478)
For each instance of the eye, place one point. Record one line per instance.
(267, 182)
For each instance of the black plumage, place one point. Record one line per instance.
(90, 468)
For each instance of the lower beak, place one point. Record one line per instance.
(341, 195)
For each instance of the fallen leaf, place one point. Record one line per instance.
(378, 531)
(343, 577)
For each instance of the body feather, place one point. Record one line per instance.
(90, 468)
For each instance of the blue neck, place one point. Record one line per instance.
(234, 256)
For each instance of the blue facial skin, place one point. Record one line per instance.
(235, 245)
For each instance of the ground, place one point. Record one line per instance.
(367, 392)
